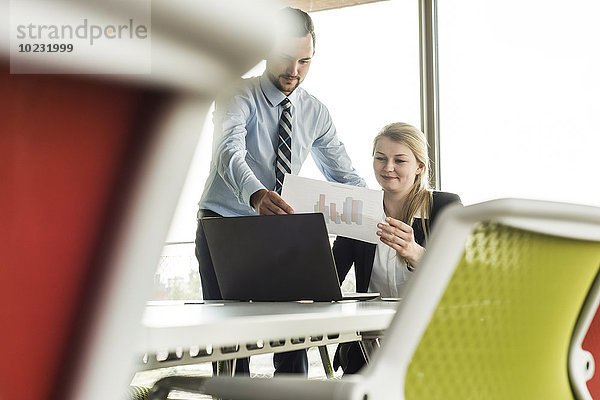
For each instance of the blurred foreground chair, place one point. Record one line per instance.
(490, 314)
(91, 167)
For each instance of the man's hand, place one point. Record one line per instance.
(267, 202)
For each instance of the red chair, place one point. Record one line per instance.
(73, 151)
(585, 349)
(91, 169)
(592, 344)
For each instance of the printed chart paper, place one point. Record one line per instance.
(349, 211)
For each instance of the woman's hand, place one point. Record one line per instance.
(400, 237)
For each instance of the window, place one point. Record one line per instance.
(366, 71)
(519, 99)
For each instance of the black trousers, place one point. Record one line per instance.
(291, 362)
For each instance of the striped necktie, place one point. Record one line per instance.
(283, 162)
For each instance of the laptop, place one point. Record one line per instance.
(274, 258)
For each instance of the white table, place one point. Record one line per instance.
(194, 333)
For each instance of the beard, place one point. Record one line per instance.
(277, 82)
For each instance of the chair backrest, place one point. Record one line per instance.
(91, 168)
(491, 311)
(585, 348)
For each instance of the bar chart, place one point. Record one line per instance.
(351, 210)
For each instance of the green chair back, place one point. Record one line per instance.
(503, 326)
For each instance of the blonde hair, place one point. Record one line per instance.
(420, 197)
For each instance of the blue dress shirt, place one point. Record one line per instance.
(245, 138)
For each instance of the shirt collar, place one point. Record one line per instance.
(274, 95)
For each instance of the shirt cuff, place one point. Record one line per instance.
(249, 189)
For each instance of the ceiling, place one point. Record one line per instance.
(319, 5)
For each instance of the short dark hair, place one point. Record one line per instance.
(297, 23)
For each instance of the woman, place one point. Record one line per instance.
(401, 166)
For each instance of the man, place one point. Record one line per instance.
(266, 129)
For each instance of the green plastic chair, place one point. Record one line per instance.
(490, 313)
(503, 325)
